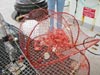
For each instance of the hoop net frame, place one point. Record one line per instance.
(45, 48)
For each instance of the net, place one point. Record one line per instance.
(50, 50)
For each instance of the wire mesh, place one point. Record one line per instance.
(47, 50)
(5, 60)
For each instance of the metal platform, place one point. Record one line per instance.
(5, 61)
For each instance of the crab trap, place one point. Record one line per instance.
(56, 51)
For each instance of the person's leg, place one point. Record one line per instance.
(60, 7)
(51, 7)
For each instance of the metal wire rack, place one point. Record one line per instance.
(5, 60)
